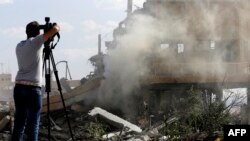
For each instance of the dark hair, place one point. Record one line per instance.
(32, 29)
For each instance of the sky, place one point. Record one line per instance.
(80, 20)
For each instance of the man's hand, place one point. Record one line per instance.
(51, 32)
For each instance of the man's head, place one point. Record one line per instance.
(32, 29)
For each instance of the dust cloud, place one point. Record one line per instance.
(174, 39)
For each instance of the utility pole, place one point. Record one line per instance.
(2, 67)
(99, 43)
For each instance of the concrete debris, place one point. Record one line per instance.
(5, 137)
(6, 118)
(152, 133)
(112, 136)
(55, 125)
(4, 106)
(162, 125)
(134, 133)
(163, 138)
(115, 119)
(140, 138)
(85, 127)
(4, 122)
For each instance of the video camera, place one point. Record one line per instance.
(46, 27)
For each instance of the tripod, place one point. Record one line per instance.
(48, 59)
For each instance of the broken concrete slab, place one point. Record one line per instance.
(115, 119)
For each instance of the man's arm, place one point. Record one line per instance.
(51, 32)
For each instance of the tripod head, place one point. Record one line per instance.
(46, 27)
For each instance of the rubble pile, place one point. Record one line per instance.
(5, 120)
(99, 124)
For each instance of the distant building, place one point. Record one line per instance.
(6, 87)
(5, 81)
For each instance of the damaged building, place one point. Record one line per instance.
(181, 44)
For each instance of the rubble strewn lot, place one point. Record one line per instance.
(191, 119)
(98, 124)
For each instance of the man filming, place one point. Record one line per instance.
(27, 90)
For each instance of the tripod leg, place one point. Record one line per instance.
(60, 90)
(46, 67)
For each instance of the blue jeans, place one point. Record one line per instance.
(28, 105)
